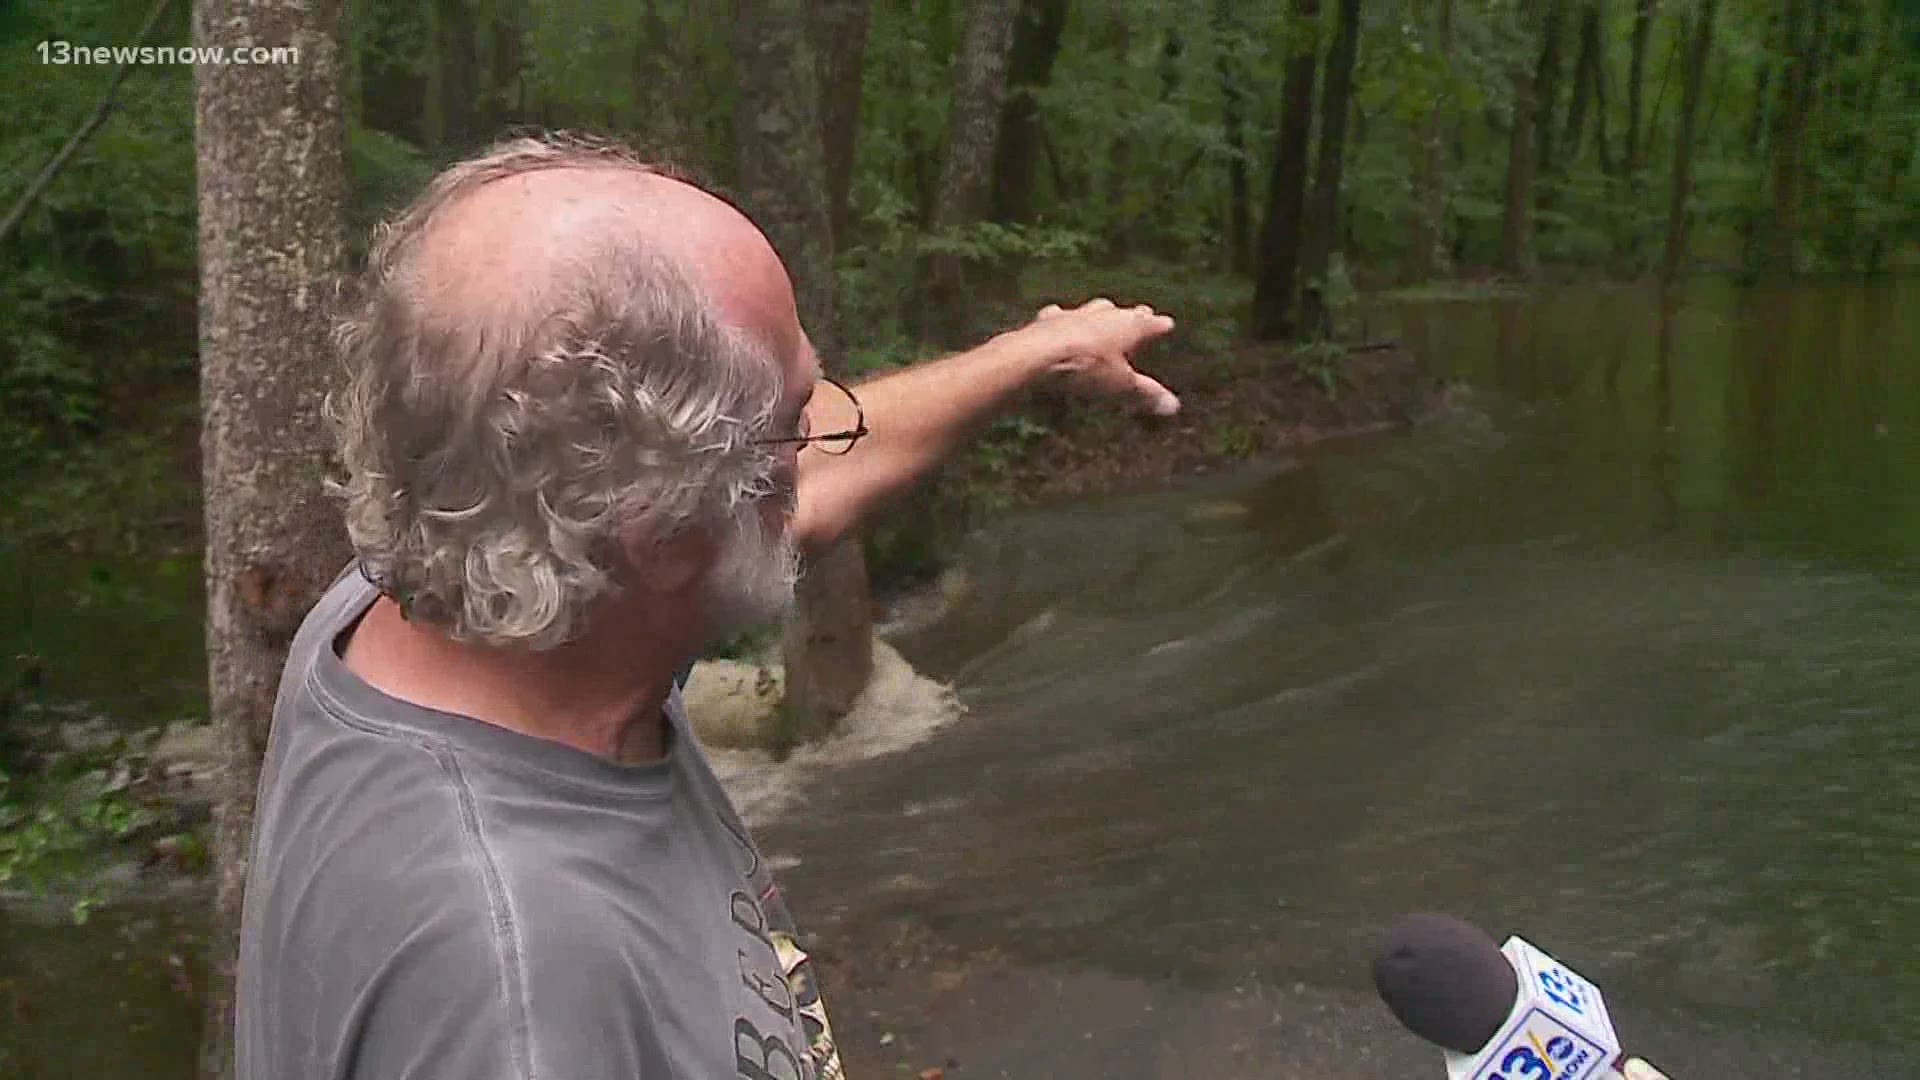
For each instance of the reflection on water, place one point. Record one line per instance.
(1623, 654)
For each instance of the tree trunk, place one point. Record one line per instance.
(1323, 213)
(1547, 82)
(1677, 215)
(1286, 194)
(1586, 76)
(973, 123)
(1036, 44)
(1790, 117)
(1600, 142)
(270, 143)
(966, 173)
(1233, 121)
(1430, 215)
(392, 89)
(506, 98)
(1516, 231)
(1676, 57)
(452, 89)
(839, 31)
(1636, 86)
(828, 644)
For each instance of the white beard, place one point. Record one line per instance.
(753, 580)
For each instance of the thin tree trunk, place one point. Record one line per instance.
(270, 144)
(1636, 87)
(1790, 117)
(506, 97)
(1286, 194)
(84, 132)
(1233, 122)
(1323, 212)
(1676, 57)
(1677, 215)
(1757, 122)
(1036, 44)
(452, 88)
(1516, 230)
(1120, 152)
(828, 644)
(1547, 82)
(840, 29)
(1430, 216)
(1586, 77)
(966, 173)
(1600, 140)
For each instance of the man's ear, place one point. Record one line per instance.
(667, 566)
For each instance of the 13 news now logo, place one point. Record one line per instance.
(1558, 1030)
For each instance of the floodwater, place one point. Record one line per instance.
(1621, 653)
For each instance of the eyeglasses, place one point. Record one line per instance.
(838, 442)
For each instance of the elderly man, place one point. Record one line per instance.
(488, 844)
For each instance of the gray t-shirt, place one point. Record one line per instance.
(434, 896)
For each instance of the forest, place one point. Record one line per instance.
(1273, 161)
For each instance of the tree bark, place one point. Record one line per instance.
(828, 642)
(1233, 123)
(840, 29)
(1636, 85)
(1547, 82)
(271, 164)
(1286, 194)
(973, 123)
(1016, 158)
(1323, 214)
(1430, 215)
(1677, 215)
(1516, 232)
(1790, 116)
(966, 172)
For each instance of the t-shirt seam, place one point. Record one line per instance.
(503, 927)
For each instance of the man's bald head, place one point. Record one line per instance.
(501, 249)
(554, 351)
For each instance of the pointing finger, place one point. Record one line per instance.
(1160, 400)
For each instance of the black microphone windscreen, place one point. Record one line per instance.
(1446, 980)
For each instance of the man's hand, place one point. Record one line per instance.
(1092, 348)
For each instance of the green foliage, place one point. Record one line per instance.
(1233, 441)
(97, 281)
(1320, 361)
(51, 825)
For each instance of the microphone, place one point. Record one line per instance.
(1501, 1012)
